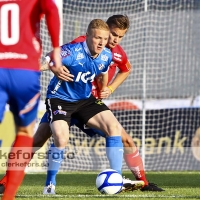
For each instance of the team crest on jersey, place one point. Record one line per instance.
(104, 57)
(80, 56)
(65, 52)
(59, 107)
(101, 66)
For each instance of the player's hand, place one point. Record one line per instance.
(105, 93)
(62, 73)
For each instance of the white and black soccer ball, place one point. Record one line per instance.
(109, 181)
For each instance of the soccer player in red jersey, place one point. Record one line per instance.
(20, 51)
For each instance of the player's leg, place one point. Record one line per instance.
(3, 101)
(112, 129)
(97, 115)
(42, 134)
(128, 185)
(132, 157)
(51, 174)
(60, 132)
(135, 163)
(24, 109)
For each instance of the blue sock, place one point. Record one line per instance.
(114, 151)
(55, 158)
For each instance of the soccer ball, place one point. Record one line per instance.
(109, 181)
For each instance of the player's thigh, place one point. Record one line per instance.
(24, 95)
(106, 122)
(86, 129)
(59, 117)
(91, 107)
(58, 109)
(60, 132)
(97, 115)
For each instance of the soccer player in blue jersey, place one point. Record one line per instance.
(85, 60)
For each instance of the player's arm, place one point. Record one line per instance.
(50, 10)
(63, 73)
(62, 76)
(120, 78)
(102, 81)
(44, 66)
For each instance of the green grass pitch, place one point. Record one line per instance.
(81, 185)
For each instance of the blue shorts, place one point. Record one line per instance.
(21, 90)
(89, 131)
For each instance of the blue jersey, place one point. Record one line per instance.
(77, 58)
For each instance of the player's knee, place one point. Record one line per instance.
(60, 143)
(60, 139)
(114, 129)
(127, 139)
(129, 145)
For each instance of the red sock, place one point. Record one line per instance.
(4, 178)
(19, 156)
(135, 164)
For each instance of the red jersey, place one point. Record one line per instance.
(20, 45)
(119, 60)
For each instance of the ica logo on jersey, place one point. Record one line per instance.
(85, 77)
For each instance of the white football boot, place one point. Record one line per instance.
(50, 189)
(129, 185)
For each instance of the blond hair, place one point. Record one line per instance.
(98, 24)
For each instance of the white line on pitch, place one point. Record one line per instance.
(114, 196)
